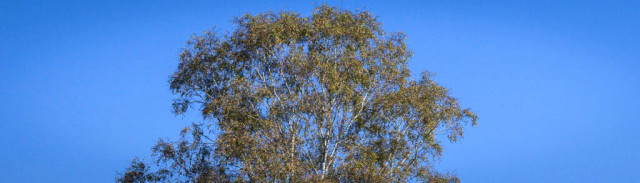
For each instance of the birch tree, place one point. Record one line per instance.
(321, 98)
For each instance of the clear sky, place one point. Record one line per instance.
(83, 85)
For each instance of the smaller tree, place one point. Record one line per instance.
(189, 159)
(139, 172)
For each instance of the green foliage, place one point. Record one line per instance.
(325, 98)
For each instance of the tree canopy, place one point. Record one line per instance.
(291, 98)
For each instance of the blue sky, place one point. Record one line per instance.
(83, 85)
